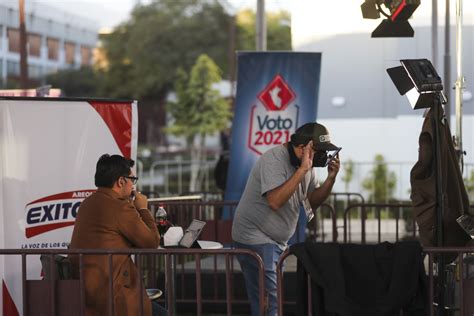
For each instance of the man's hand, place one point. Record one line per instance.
(307, 158)
(333, 167)
(141, 201)
(319, 195)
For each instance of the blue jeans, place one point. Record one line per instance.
(270, 254)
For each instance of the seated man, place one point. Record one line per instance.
(111, 219)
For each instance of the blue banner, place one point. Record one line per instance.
(276, 93)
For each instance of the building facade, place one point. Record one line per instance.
(55, 40)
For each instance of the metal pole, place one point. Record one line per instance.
(261, 26)
(440, 200)
(231, 53)
(23, 52)
(447, 63)
(459, 82)
(434, 32)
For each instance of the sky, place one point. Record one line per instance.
(109, 13)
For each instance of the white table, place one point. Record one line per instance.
(207, 244)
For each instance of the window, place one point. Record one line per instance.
(53, 48)
(69, 50)
(51, 70)
(34, 45)
(13, 68)
(85, 56)
(13, 40)
(34, 71)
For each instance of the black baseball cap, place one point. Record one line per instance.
(316, 132)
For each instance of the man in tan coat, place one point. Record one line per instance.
(110, 219)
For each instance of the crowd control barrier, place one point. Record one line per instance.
(57, 297)
(457, 291)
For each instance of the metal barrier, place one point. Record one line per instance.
(218, 216)
(51, 304)
(316, 228)
(279, 272)
(347, 199)
(390, 207)
(173, 177)
(462, 302)
(207, 195)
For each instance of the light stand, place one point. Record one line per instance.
(418, 79)
(440, 197)
(396, 22)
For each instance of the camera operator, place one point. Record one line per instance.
(282, 179)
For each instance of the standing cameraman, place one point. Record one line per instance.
(282, 179)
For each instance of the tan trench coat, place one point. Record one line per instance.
(106, 221)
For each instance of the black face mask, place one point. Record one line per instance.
(319, 158)
(295, 162)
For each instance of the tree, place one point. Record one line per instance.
(470, 185)
(144, 53)
(380, 183)
(140, 58)
(83, 82)
(278, 30)
(199, 109)
(160, 37)
(348, 174)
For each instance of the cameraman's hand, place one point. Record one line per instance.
(141, 201)
(307, 158)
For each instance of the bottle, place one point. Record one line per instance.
(161, 220)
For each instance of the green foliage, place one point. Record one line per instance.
(159, 38)
(470, 185)
(278, 30)
(144, 53)
(140, 58)
(348, 173)
(380, 183)
(199, 109)
(11, 83)
(83, 82)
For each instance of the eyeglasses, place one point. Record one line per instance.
(133, 179)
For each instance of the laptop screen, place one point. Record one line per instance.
(192, 233)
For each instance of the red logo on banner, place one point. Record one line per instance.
(273, 123)
(277, 95)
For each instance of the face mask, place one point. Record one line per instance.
(295, 162)
(320, 159)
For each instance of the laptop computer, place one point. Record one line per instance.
(191, 234)
(466, 221)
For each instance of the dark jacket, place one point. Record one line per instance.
(423, 187)
(361, 280)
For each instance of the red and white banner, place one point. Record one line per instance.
(49, 150)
